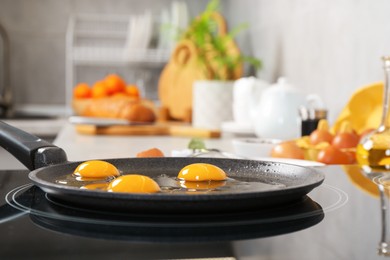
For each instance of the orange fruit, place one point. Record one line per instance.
(99, 90)
(333, 155)
(82, 90)
(119, 95)
(346, 140)
(114, 84)
(132, 91)
(319, 136)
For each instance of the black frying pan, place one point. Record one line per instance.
(49, 164)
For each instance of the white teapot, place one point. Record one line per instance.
(246, 95)
(277, 113)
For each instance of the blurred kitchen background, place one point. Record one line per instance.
(330, 48)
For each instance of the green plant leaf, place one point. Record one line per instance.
(212, 6)
(203, 32)
(236, 30)
(256, 63)
(196, 143)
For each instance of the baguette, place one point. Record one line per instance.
(123, 108)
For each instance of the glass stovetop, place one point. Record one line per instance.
(326, 224)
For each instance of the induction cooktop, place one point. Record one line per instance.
(29, 213)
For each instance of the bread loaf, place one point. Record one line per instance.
(123, 108)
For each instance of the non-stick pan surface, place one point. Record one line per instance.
(50, 166)
(296, 181)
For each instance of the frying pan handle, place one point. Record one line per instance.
(29, 149)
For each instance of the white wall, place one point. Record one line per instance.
(327, 47)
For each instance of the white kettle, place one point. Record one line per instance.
(277, 114)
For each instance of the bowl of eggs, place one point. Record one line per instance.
(254, 147)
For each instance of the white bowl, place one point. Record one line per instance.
(254, 147)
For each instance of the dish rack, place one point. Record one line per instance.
(112, 40)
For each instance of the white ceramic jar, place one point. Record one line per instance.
(212, 101)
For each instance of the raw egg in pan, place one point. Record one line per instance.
(96, 169)
(133, 183)
(201, 185)
(95, 186)
(202, 172)
(193, 179)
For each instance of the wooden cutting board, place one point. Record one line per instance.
(171, 129)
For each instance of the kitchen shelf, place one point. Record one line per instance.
(114, 56)
(99, 40)
(113, 40)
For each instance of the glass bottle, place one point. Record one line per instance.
(373, 156)
(373, 152)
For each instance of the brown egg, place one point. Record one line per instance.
(287, 149)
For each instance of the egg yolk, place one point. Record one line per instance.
(134, 183)
(202, 172)
(96, 169)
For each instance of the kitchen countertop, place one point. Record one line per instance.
(350, 228)
(82, 147)
(39, 127)
(41, 120)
